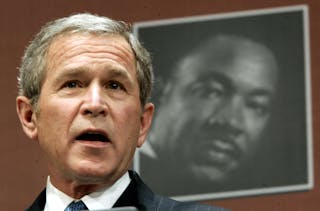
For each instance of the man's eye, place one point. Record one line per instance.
(115, 85)
(207, 90)
(72, 84)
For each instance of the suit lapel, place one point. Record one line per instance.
(136, 194)
(129, 196)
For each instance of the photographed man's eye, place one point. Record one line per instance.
(260, 107)
(215, 89)
(207, 89)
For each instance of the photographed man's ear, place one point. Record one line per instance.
(27, 117)
(146, 120)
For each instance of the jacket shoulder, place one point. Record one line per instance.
(152, 201)
(165, 203)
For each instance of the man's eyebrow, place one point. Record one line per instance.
(72, 72)
(118, 73)
(68, 74)
(81, 71)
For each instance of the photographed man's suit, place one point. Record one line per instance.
(140, 196)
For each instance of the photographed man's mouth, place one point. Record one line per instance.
(218, 151)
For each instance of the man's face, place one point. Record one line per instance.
(223, 105)
(89, 119)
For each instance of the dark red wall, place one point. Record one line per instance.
(23, 170)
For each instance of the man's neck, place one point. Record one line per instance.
(77, 188)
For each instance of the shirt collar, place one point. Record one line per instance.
(102, 199)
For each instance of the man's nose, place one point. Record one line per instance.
(230, 112)
(94, 103)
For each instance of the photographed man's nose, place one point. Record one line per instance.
(229, 112)
(94, 103)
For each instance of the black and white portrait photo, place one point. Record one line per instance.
(232, 96)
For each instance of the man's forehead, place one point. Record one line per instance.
(73, 39)
(71, 46)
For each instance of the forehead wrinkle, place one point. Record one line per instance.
(112, 51)
(128, 55)
(102, 47)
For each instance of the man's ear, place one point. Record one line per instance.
(27, 117)
(146, 120)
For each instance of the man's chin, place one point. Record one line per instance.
(91, 175)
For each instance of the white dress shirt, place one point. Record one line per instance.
(103, 199)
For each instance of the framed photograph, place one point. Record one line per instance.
(233, 104)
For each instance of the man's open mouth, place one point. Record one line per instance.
(92, 136)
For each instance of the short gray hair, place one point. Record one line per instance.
(34, 61)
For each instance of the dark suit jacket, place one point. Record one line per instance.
(138, 194)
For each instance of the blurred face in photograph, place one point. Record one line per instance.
(216, 107)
